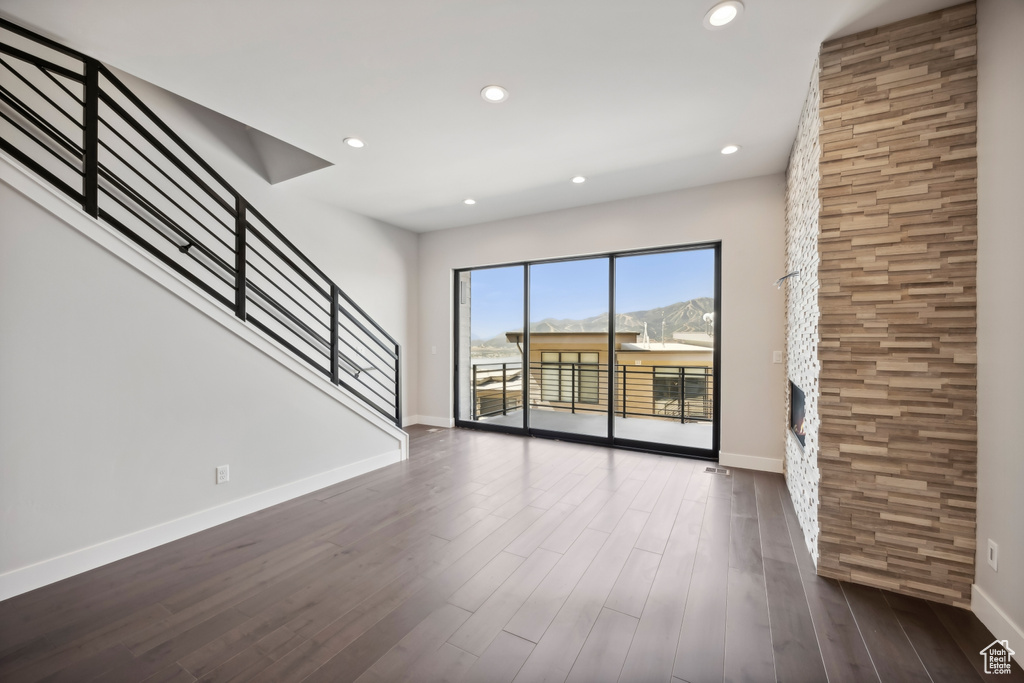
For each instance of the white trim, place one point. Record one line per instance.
(429, 421)
(55, 569)
(997, 621)
(26, 184)
(750, 462)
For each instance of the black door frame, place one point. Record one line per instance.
(611, 439)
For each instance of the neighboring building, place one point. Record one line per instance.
(568, 371)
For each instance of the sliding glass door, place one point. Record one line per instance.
(665, 375)
(568, 347)
(618, 349)
(490, 354)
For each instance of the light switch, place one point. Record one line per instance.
(776, 356)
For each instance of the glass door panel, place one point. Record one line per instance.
(569, 347)
(490, 363)
(665, 348)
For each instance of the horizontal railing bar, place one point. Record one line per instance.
(302, 333)
(165, 195)
(648, 393)
(369, 334)
(40, 62)
(388, 401)
(386, 369)
(674, 418)
(158, 122)
(40, 123)
(499, 411)
(288, 243)
(289, 280)
(290, 297)
(37, 168)
(39, 92)
(159, 170)
(291, 317)
(356, 376)
(155, 250)
(511, 406)
(369, 348)
(383, 367)
(168, 261)
(363, 313)
(60, 85)
(160, 147)
(288, 345)
(166, 220)
(160, 232)
(36, 140)
(372, 404)
(42, 40)
(368, 373)
(580, 407)
(298, 338)
(281, 255)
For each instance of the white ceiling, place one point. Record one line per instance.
(635, 95)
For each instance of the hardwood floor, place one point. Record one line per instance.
(492, 558)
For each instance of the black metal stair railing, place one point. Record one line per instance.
(71, 121)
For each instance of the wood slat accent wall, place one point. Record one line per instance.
(898, 244)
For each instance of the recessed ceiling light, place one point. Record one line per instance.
(579, 179)
(722, 14)
(354, 142)
(730, 149)
(469, 202)
(494, 94)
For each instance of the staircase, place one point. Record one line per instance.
(72, 123)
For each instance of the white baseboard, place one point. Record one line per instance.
(997, 621)
(750, 462)
(429, 421)
(55, 569)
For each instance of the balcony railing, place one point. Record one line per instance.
(665, 392)
(497, 389)
(72, 122)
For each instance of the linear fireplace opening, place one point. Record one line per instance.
(796, 412)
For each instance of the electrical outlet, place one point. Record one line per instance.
(222, 474)
(993, 555)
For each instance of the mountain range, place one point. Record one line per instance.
(684, 316)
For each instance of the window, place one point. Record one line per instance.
(666, 384)
(562, 372)
(695, 383)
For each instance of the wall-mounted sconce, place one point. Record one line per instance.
(778, 283)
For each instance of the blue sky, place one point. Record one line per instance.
(579, 289)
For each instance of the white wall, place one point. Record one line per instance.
(118, 399)
(748, 217)
(1001, 317)
(373, 262)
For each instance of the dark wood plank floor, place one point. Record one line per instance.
(492, 558)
